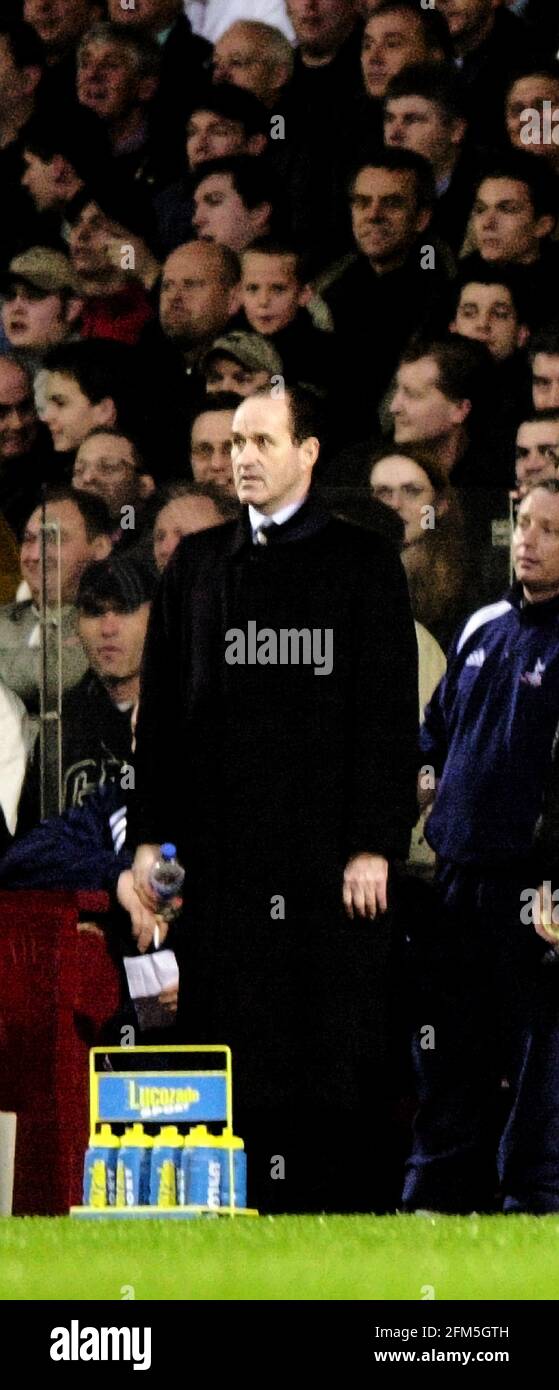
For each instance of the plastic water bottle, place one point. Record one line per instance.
(166, 879)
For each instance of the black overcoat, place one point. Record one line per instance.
(268, 778)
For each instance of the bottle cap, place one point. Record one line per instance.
(169, 1134)
(135, 1137)
(104, 1138)
(168, 851)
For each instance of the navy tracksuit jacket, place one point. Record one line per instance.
(488, 734)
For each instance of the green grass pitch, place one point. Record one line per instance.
(285, 1258)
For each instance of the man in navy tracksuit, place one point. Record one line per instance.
(487, 737)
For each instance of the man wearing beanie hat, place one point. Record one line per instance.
(113, 605)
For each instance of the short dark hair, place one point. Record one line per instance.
(521, 167)
(234, 104)
(462, 365)
(183, 487)
(432, 81)
(546, 340)
(388, 449)
(435, 28)
(95, 513)
(548, 484)
(115, 433)
(401, 162)
(305, 407)
(122, 581)
(251, 177)
(82, 142)
(275, 246)
(215, 401)
(101, 369)
(25, 46)
(537, 416)
(488, 273)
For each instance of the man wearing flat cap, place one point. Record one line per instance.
(41, 303)
(242, 363)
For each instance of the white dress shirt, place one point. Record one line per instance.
(259, 522)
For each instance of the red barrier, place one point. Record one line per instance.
(58, 987)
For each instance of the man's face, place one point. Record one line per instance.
(90, 237)
(60, 23)
(76, 552)
(68, 413)
(106, 467)
(504, 224)
(415, 123)
(114, 642)
(108, 81)
(221, 216)
(487, 314)
(241, 58)
(385, 215)
(390, 42)
(529, 93)
(537, 453)
(39, 179)
(33, 319)
(269, 468)
(195, 302)
(466, 18)
(271, 292)
(210, 453)
(18, 420)
(545, 381)
(321, 25)
(150, 15)
(226, 374)
(403, 485)
(420, 410)
(535, 545)
(182, 516)
(210, 136)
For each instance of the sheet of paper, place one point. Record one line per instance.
(149, 975)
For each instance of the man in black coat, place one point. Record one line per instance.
(276, 747)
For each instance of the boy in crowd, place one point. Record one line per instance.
(275, 292)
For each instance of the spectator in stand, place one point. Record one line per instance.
(513, 219)
(537, 450)
(491, 45)
(108, 465)
(200, 293)
(184, 62)
(437, 386)
(544, 360)
(211, 442)
(229, 121)
(491, 309)
(185, 509)
(113, 261)
(397, 35)
(525, 108)
(59, 157)
(113, 604)
(86, 385)
(60, 24)
(117, 78)
(85, 527)
(424, 111)
(41, 303)
(391, 198)
(21, 67)
(26, 457)
(241, 363)
(434, 553)
(233, 201)
(258, 58)
(275, 293)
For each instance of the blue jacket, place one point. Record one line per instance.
(489, 729)
(82, 848)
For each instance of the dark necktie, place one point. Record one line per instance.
(264, 534)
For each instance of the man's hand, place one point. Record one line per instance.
(144, 859)
(169, 998)
(544, 926)
(142, 919)
(365, 878)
